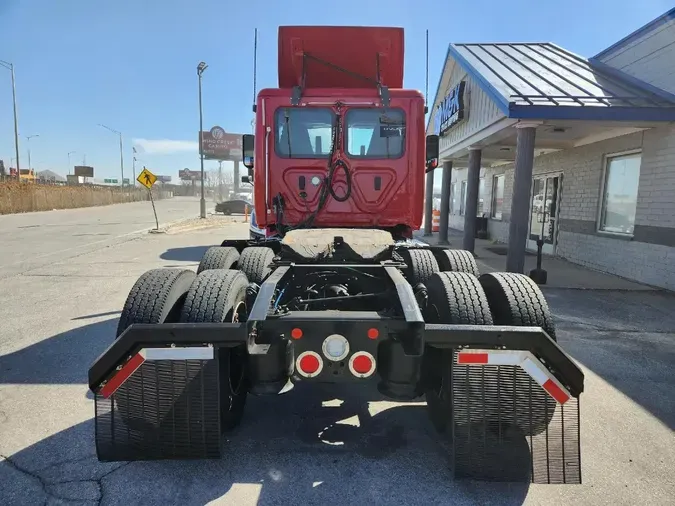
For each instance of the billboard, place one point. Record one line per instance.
(190, 175)
(164, 179)
(84, 171)
(219, 145)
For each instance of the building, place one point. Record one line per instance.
(578, 152)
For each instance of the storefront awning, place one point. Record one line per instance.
(545, 81)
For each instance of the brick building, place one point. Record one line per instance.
(578, 152)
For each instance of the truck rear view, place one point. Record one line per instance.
(336, 292)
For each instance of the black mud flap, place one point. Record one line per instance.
(154, 408)
(512, 420)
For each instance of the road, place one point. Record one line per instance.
(314, 445)
(34, 239)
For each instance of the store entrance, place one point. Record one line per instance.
(544, 205)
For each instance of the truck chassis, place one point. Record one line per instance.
(342, 306)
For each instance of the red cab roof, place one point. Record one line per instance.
(353, 48)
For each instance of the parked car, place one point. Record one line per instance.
(237, 206)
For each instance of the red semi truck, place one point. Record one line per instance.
(338, 291)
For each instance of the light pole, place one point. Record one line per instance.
(10, 66)
(121, 150)
(28, 138)
(202, 203)
(70, 153)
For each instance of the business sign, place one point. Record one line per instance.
(451, 110)
(190, 175)
(84, 171)
(219, 145)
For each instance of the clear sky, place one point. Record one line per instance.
(131, 64)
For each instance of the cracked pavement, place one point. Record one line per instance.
(316, 444)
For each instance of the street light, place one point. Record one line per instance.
(121, 150)
(9, 66)
(202, 203)
(70, 153)
(28, 138)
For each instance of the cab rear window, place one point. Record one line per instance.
(375, 133)
(303, 132)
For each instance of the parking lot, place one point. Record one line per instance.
(314, 445)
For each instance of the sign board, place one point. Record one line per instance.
(111, 181)
(146, 178)
(451, 110)
(219, 145)
(84, 171)
(164, 179)
(190, 175)
(73, 179)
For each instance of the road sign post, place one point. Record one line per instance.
(147, 179)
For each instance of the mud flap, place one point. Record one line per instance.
(159, 405)
(512, 420)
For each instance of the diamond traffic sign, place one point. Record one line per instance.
(146, 178)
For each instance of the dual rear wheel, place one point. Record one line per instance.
(178, 295)
(500, 299)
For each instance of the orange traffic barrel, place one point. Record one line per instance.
(435, 220)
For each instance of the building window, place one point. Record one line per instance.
(619, 199)
(497, 196)
(481, 197)
(462, 201)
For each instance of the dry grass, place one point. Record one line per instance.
(26, 197)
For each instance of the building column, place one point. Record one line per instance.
(520, 198)
(429, 203)
(445, 203)
(471, 208)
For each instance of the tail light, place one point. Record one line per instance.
(309, 364)
(362, 364)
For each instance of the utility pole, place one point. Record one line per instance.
(69, 166)
(202, 203)
(121, 151)
(28, 138)
(10, 66)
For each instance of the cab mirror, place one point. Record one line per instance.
(432, 147)
(432, 152)
(248, 152)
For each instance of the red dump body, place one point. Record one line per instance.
(382, 148)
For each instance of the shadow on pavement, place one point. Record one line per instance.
(289, 450)
(97, 315)
(187, 254)
(62, 359)
(625, 337)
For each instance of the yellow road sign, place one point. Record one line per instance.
(146, 178)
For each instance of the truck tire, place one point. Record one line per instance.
(156, 297)
(421, 265)
(453, 298)
(457, 260)
(517, 300)
(255, 261)
(219, 257)
(218, 296)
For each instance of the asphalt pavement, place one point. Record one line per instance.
(313, 445)
(29, 240)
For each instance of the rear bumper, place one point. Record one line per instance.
(460, 337)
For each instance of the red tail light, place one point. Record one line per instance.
(362, 364)
(309, 364)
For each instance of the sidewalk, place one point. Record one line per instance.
(491, 257)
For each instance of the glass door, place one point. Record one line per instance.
(544, 212)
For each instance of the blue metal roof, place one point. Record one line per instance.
(545, 81)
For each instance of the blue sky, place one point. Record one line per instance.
(130, 64)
